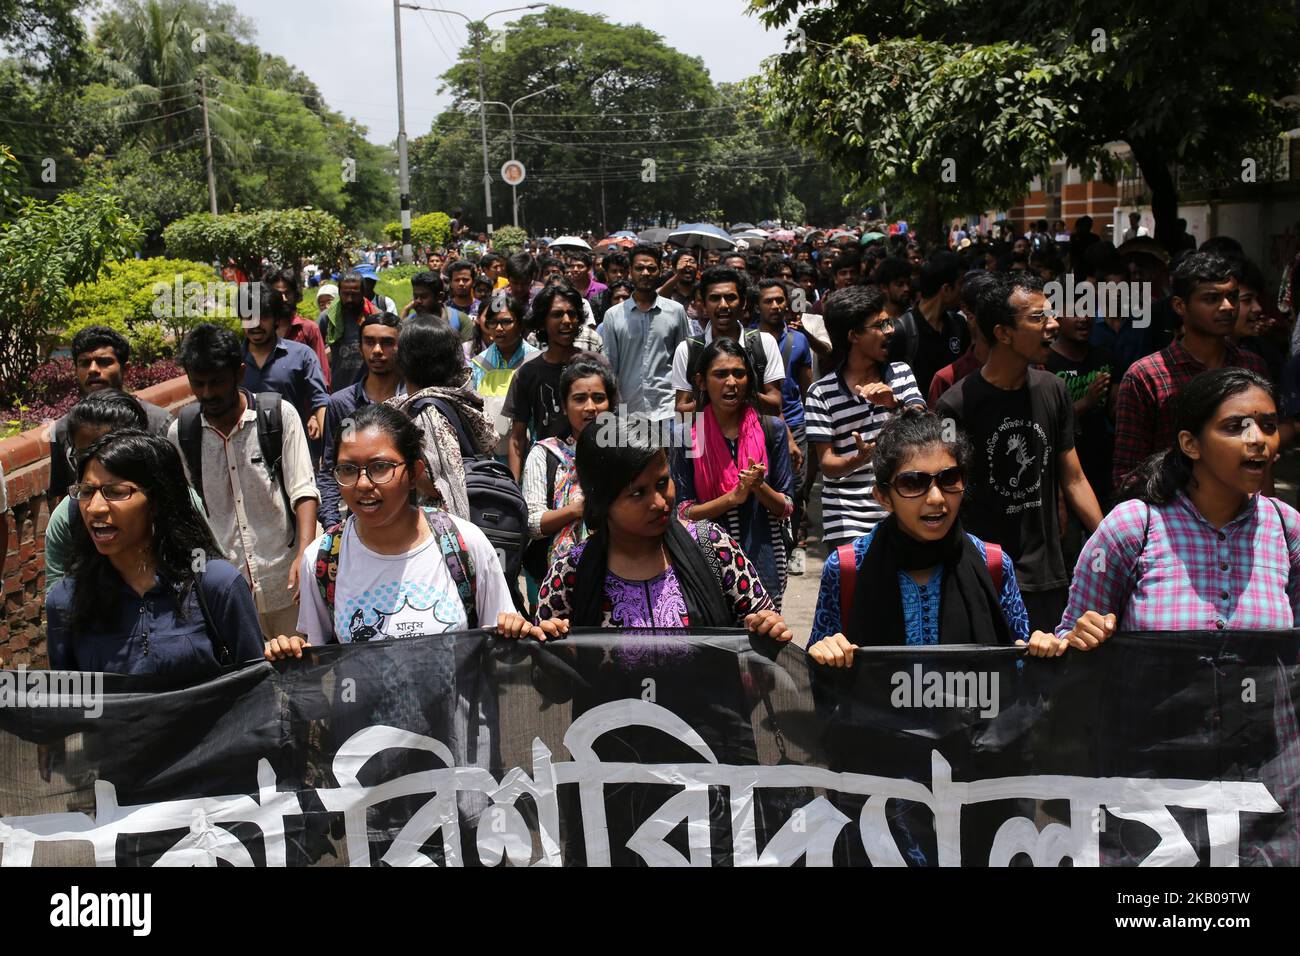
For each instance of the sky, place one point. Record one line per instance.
(346, 46)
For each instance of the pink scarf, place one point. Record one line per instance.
(716, 473)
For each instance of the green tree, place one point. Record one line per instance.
(622, 97)
(959, 105)
(44, 252)
(282, 235)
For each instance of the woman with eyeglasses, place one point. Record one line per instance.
(148, 591)
(393, 569)
(917, 577)
(737, 471)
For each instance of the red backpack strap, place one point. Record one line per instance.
(848, 578)
(993, 558)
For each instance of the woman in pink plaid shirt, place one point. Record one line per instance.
(1196, 547)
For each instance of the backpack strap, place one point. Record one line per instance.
(270, 439)
(327, 568)
(993, 558)
(189, 432)
(753, 342)
(694, 349)
(459, 561)
(219, 647)
(848, 578)
(787, 349)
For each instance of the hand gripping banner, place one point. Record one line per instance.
(699, 748)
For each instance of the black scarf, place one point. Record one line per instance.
(969, 608)
(705, 602)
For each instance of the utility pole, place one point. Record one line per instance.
(403, 173)
(510, 110)
(207, 145)
(482, 118)
(477, 36)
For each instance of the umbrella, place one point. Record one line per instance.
(783, 235)
(701, 234)
(545, 240)
(570, 242)
(750, 235)
(742, 226)
(623, 234)
(769, 224)
(654, 235)
(617, 241)
(872, 237)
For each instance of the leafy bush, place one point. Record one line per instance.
(281, 235)
(46, 251)
(393, 231)
(508, 239)
(52, 390)
(151, 301)
(404, 271)
(431, 229)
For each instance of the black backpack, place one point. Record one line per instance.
(907, 338)
(270, 438)
(753, 344)
(496, 502)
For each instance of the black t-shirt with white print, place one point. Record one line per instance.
(1016, 438)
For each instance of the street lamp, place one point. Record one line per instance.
(510, 110)
(482, 108)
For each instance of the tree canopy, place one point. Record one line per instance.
(960, 104)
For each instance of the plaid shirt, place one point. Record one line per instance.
(1144, 412)
(1166, 568)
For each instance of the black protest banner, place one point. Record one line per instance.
(666, 748)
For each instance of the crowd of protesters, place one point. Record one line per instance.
(656, 423)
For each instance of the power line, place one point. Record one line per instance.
(147, 119)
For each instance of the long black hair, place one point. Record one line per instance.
(611, 452)
(731, 347)
(181, 536)
(1158, 480)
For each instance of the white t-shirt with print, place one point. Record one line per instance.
(378, 596)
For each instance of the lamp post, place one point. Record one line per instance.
(482, 107)
(510, 111)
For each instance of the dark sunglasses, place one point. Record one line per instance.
(914, 484)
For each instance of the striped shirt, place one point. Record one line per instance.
(1166, 568)
(832, 413)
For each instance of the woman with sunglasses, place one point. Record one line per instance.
(148, 591)
(393, 569)
(917, 577)
(737, 471)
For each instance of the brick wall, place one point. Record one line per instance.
(26, 461)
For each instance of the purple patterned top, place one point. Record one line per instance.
(659, 602)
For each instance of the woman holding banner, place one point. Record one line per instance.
(917, 578)
(393, 569)
(148, 591)
(1196, 547)
(642, 566)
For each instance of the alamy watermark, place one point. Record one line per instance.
(626, 428)
(197, 300)
(1121, 300)
(23, 689)
(935, 689)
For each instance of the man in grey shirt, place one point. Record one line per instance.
(641, 336)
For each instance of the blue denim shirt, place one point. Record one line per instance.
(292, 370)
(149, 635)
